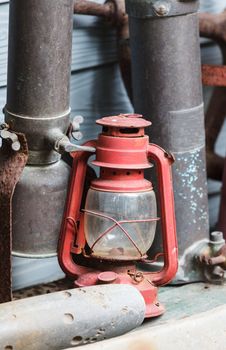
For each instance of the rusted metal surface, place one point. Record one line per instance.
(213, 75)
(111, 10)
(11, 166)
(84, 7)
(213, 257)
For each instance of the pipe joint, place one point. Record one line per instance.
(160, 8)
(39, 131)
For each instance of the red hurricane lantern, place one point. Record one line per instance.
(117, 226)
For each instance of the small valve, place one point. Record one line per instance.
(65, 145)
(5, 134)
(62, 143)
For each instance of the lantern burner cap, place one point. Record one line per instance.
(124, 121)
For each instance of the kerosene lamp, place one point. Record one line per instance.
(103, 242)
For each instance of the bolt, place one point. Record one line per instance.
(216, 236)
(161, 8)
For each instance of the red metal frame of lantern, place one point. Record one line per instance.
(122, 149)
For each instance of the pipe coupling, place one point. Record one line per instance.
(39, 133)
(160, 8)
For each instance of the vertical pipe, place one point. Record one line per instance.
(167, 88)
(39, 57)
(40, 41)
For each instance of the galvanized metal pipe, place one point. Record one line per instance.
(74, 317)
(40, 41)
(166, 77)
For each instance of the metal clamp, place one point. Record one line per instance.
(5, 134)
(160, 8)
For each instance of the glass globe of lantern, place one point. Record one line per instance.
(131, 210)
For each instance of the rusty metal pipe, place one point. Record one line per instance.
(113, 11)
(84, 7)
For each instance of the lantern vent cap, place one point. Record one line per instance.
(124, 121)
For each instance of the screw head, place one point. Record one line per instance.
(161, 8)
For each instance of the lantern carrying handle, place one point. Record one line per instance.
(163, 162)
(72, 212)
